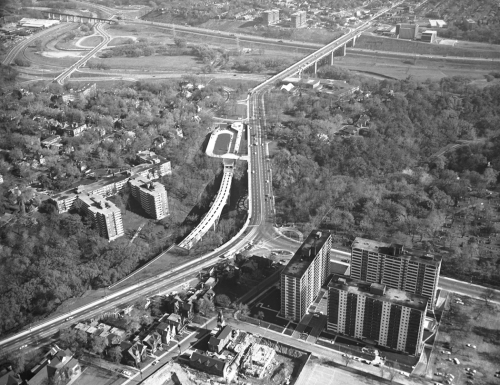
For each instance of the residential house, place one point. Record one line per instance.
(186, 309)
(175, 322)
(218, 342)
(75, 129)
(152, 341)
(349, 130)
(209, 365)
(8, 377)
(174, 304)
(60, 365)
(165, 332)
(51, 142)
(137, 352)
(159, 142)
(363, 120)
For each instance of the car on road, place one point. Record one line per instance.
(280, 41)
(155, 362)
(125, 373)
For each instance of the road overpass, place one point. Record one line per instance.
(213, 215)
(67, 17)
(80, 63)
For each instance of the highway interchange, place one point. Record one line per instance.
(259, 228)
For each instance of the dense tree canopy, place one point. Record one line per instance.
(396, 180)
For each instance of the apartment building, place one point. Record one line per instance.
(307, 271)
(377, 314)
(105, 187)
(299, 19)
(271, 17)
(414, 271)
(152, 197)
(105, 215)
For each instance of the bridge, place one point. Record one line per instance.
(76, 18)
(213, 215)
(322, 56)
(80, 63)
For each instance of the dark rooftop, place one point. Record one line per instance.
(306, 253)
(396, 250)
(394, 296)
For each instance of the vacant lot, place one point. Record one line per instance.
(475, 323)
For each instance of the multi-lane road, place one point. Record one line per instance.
(24, 43)
(106, 39)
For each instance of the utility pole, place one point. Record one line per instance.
(238, 43)
(173, 30)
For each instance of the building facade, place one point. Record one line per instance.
(271, 17)
(307, 271)
(152, 197)
(106, 217)
(299, 19)
(406, 31)
(413, 271)
(372, 312)
(429, 36)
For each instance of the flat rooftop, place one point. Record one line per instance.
(396, 250)
(305, 255)
(86, 188)
(394, 296)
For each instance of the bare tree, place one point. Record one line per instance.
(390, 372)
(347, 359)
(488, 294)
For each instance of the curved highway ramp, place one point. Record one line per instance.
(213, 214)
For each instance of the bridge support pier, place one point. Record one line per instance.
(332, 56)
(315, 67)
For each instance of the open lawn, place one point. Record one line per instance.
(91, 41)
(473, 323)
(222, 144)
(160, 63)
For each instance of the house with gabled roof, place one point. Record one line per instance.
(211, 365)
(137, 352)
(217, 343)
(51, 368)
(152, 341)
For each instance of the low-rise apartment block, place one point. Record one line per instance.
(377, 314)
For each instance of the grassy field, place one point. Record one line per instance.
(160, 63)
(91, 41)
(377, 43)
(121, 40)
(420, 69)
(473, 323)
